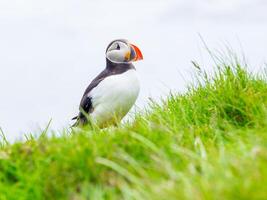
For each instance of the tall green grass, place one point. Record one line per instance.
(208, 143)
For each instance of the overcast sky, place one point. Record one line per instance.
(50, 50)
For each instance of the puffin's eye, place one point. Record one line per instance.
(118, 47)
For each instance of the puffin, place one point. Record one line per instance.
(111, 95)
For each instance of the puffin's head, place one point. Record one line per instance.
(121, 51)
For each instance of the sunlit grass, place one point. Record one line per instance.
(208, 143)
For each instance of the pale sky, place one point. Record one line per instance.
(50, 50)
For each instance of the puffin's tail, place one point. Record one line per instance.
(75, 123)
(76, 117)
(80, 121)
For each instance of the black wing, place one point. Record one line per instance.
(86, 106)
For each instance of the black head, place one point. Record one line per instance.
(121, 51)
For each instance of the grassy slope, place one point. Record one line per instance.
(209, 143)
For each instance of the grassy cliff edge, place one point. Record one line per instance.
(209, 143)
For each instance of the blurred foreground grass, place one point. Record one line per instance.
(208, 143)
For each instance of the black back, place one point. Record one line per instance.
(86, 105)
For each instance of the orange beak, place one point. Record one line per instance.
(138, 53)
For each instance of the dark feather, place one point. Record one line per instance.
(86, 105)
(76, 117)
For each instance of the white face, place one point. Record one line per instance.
(119, 52)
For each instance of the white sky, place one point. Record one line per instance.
(50, 50)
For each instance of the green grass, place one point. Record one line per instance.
(208, 143)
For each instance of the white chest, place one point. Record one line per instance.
(114, 97)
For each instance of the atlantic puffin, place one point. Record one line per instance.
(111, 95)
